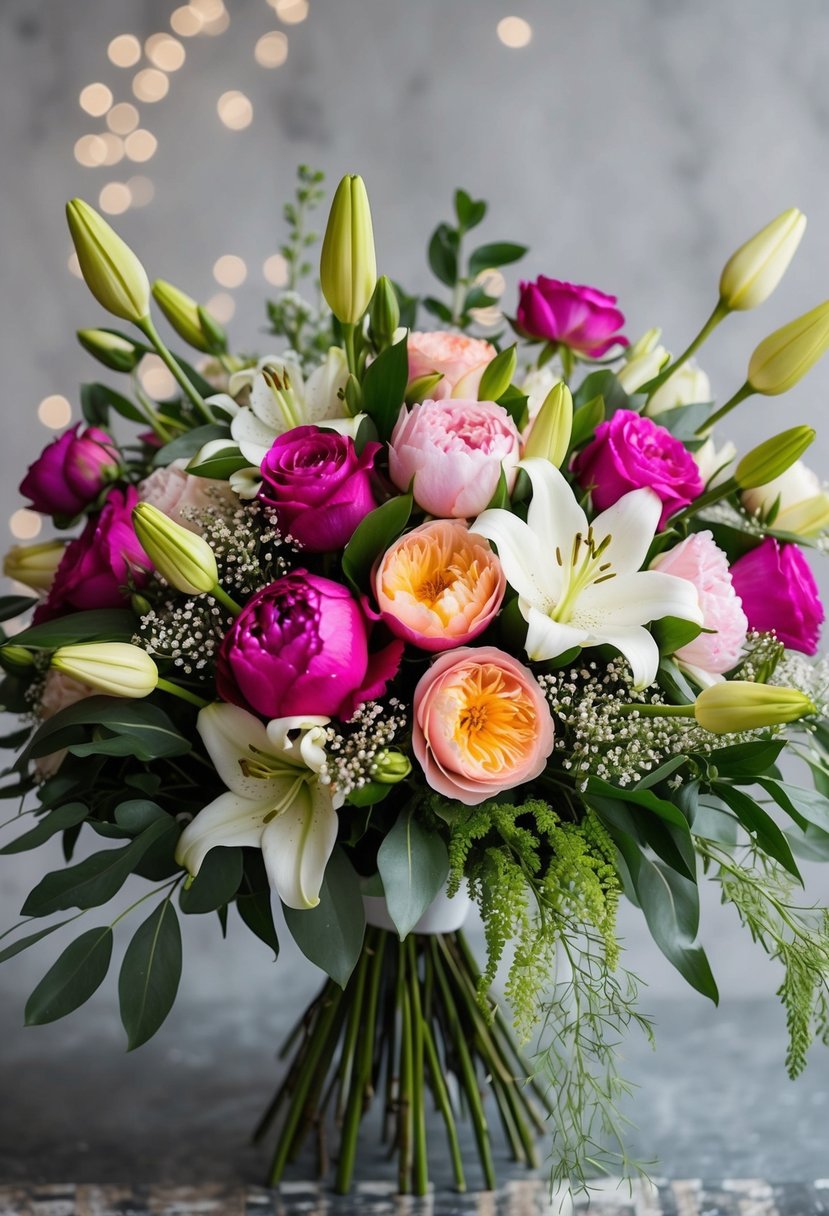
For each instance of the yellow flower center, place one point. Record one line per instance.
(494, 720)
(584, 567)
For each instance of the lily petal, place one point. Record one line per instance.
(546, 638)
(322, 400)
(554, 514)
(297, 844)
(535, 576)
(632, 522)
(637, 646)
(307, 751)
(637, 599)
(229, 820)
(254, 437)
(231, 736)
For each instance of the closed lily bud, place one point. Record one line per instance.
(348, 267)
(15, 658)
(185, 316)
(552, 428)
(34, 565)
(642, 368)
(738, 705)
(772, 458)
(184, 559)
(794, 501)
(110, 269)
(390, 767)
(644, 345)
(115, 668)
(115, 352)
(751, 274)
(785, 356)
(384, 313)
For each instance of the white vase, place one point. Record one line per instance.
(444, 914)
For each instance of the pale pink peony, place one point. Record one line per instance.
(455, 451)
(172, 489)
(482, 725)
(59, 692)
(457, 358)
(699, 560)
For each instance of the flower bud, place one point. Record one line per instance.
(34, 565)
(183, 558)
(550, 432)
(110, 269)
(114, 668)
(644, 346)
(390, 767)
(115, 352)
(348, 269)
(771, 459)
(793, 502)
(685, 386)
(738, 705)
(642, 368)
(384, 312)
(785, 356)
(420, 389)
(185, 316)
(751, 274)
(15, 658)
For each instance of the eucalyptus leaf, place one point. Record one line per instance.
(185, 446)
(15, 605)
(498, 253)
(256, 912)
(72, 980)
(384, 386)
(150, 974)
(760, 825)
(372, 537)
(23, 943)
(55, 821)
(331, 934)
(145, 724)
(216, 883)
(413, 864)
(101, 625)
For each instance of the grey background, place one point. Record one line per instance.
(632, 145)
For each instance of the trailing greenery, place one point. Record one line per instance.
(305, 326)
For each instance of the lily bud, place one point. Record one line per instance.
(642, 368)
(185, 316)
(384, 313)
(644, 345)
(114, 668)
(552, 428)
(771, 459)
(793, 502)
(183, 558)
(737, 705)
(751, 274)
(348, 267)
(390, 767)
(15, 658)
(110, 269)
(34, 565)
(115, 352)
(785, 356)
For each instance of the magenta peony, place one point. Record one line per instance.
(70, 472)
(779, 593)
(319, 486)
(301, 646)
(629, 452)
(582, 318)
(459, 359)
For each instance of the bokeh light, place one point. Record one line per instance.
(122, 118)
(235, 110)
(73, 265)
(150, 85)
(124, 51)
(291, 11)
(115, 198)
(142, 190)
(164, 52)
(140, 145)
(54, 412)
(514, 31)
(95, 99)
(25, 524)
(155, 378)
(90, 151)
(271, 50)
(275, 270)
(186, 21)
(113, 148)
(229, 270)
(222, 306)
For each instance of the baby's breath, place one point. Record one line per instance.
(352, 749)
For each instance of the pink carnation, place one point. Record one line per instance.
(456, 356)
(779, 594)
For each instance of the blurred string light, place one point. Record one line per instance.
(124, 51)
(150, 85)
(230, 270)
(122, 118)
(25, 524)
(271, 50)
(290, 11)
(186, 21)
(95, 99)
(140, 145)
(275, 270)
(222, 306)
(514, 32)
(164, 52)
(115, 198)
(155, 378)
(54, 412)
(235, 110)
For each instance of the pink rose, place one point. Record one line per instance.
(630, 452)
(102, 565)
(482, 725)
(779, 594)
(70, 472)
(319, 486)
(582, 318)
(59, 692)
(301, 646)
(704, 564)
(440, 585)
(457, 358)
(172, 489)
(455, 451)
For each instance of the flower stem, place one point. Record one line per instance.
(649, 710)
(350, 350)
(404, 1103)
(361, 1075)
(421, 1162)
(183, 694)
(221, 597)
(740, 395)
(441, 1093)
(721, 311)
(202, 408)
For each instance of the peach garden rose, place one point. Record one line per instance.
(459, 359)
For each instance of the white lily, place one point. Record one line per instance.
(280, 400)
(581, 584)
(275, 799)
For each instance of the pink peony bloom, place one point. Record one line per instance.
(319, 486)
(70, 472)
(455, 451)
(176, 492)
(630, 452)
(482, 725)
(102, 565)
(779, 593)
(301, 646)
(457, 357)
(699, 560)
(582, 318)
(440, 585)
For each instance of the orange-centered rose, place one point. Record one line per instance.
(440, 585)
(482, 725)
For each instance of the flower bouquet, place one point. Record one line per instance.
(398, 620)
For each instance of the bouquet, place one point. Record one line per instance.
(402, 619)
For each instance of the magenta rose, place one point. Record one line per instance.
(102, 565)
(301, 646)
(70, 472)
(630, 452)
(582, 318)
(779, 593)
(319, 486)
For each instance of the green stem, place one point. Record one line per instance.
(441, 1094)
(715, 494)
(356, 987)
(221, 597)
(202, 408)
(183, 694)
(170, 886)
(421, 1162)
(740, 395)
(404, 1097)
(719, 313)
(361, 1079)
(150, 411)
(568, 363)
(350, 350)
(648, 710)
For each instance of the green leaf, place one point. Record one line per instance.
(602, 384)
(372, 537)
(804, 806)
(135, 815)
(150, 974)
(220, 465)
(443, 254)
(56, 821)
(759, 825)
(659, 774)
(515, 403)
(185, 446)
(498, 374)
(23, 943)
(413, 864)
(216, 883)
(102, 625)
(673, 683)
(369, 794)
(384, 386)
(712, 821)
(98, 399)
(469, 211)
(438, 309)
(331, 935)
(255, 910)
(500, 499)
(673, 845)
(78, 973)
(684, 420)
(93, 881)
(499, 253)
(585, 421)
(640, 797)
(671, 633)
(746, 759)
(15, 605)
(152, 733)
